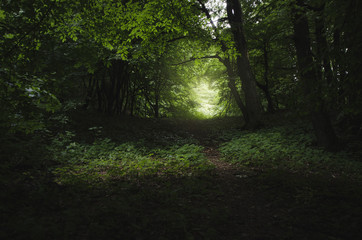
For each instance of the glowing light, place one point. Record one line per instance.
(207, 97)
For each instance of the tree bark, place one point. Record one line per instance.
(322, 49)
(309, 78)
(234, 90)
(265, 87)
(252, 100)
(156, 106)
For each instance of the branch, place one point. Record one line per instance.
(5, 26)
(261, 86)
(315, 9)
(193, 59)
(207, 13)
(285, 68)
(176, 39)
(224, 19)
(260, 9)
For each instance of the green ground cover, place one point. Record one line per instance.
(148, 179)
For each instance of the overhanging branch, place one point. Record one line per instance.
(176, 39)
(208, 15)
(193, 59)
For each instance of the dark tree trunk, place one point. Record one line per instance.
(156, 106)
(112, 87)
(109, 86)
(310, 82)
(123, 92)
(132, 98)
(234, 90)
(265, 87)
(322, 49)
(118, 76)
(231, 76)
(125, 110)
(252, 101)
(99, 96)
(90, 89)
(339, 61)
(158, 89)
(102, 99)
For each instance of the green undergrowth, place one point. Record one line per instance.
(288, 147)
(106, 160)
(151, 180)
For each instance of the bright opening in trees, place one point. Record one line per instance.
(206, 96)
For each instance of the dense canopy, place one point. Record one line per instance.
(142, 58)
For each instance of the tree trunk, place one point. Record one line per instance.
(252, 101)
(322, 49)
(231, 76)
(118, 76)
(265, 87)
(156, 106)
(310, 82)
(234, 90)
(90, 89)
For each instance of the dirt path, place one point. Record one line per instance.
(211, 142)
(223, 168)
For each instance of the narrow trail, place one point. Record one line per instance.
(223, 168)
(211, 143)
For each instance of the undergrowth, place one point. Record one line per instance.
(151, 180)
(289, 147)
(106, 160)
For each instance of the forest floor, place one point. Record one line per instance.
(223, 200)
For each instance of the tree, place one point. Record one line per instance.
(310, 81)
(252, 108)
(252, 101)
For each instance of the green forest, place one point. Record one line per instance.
(181, 119)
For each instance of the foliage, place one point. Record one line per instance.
(288, 147)
(104, 160)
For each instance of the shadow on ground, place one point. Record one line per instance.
(224, 203)
(269, 205)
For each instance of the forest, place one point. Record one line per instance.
(181, 119)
